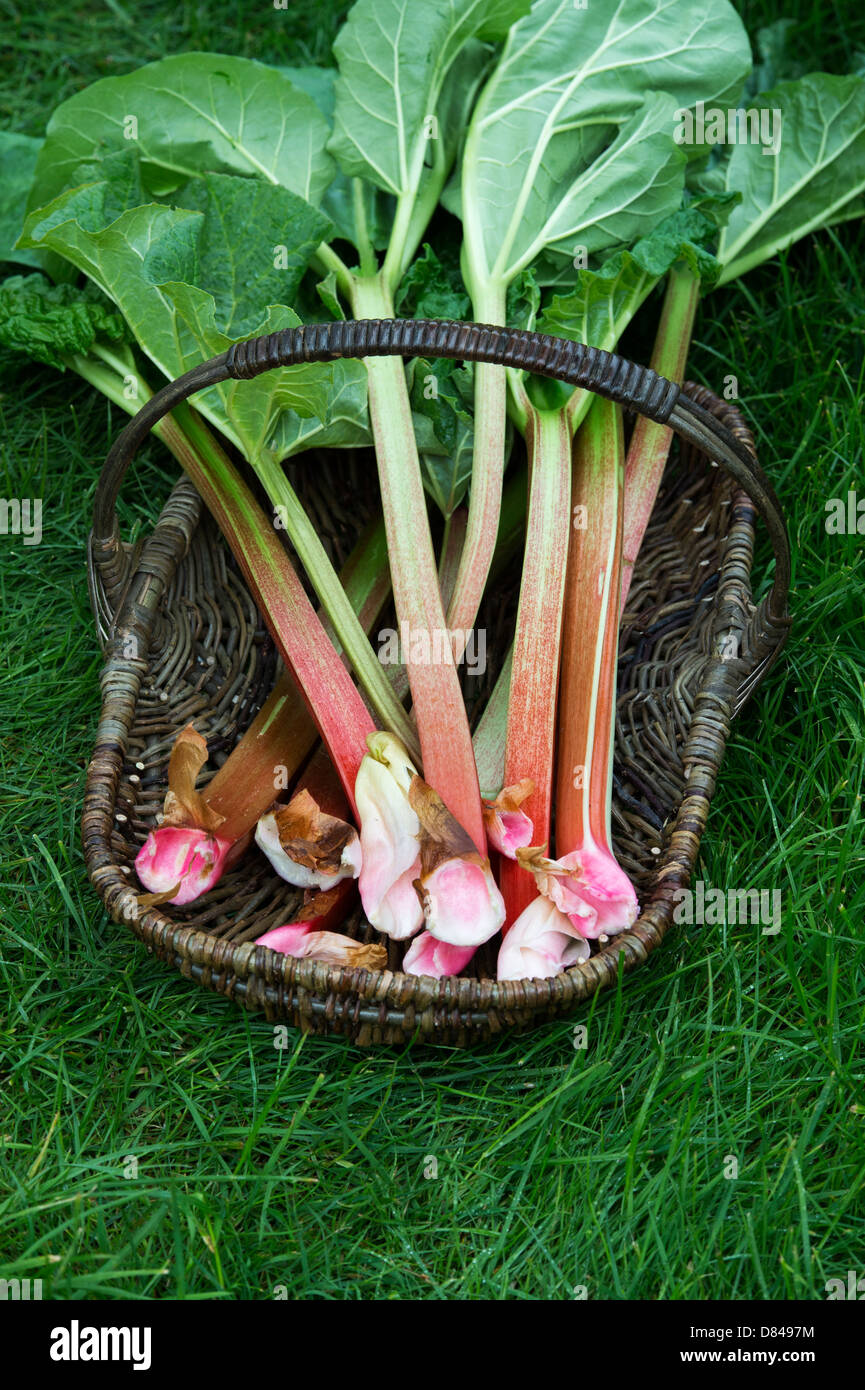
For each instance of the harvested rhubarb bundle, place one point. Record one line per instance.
(517, 162)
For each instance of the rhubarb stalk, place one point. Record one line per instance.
(445, 741)
(585, 882)
(650, 442)
(531, 727)
(330, 694)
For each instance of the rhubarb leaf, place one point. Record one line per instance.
(394, 56)
(18, 155)
(151, 262)
(539, 167)
(441, 395)
(253, 407)
(432, 289)
(629, 187)
(249, 271)
(51, 322)
(604, 301)
(190, 114)
(815, 180)
(523, 300)
(345, 197)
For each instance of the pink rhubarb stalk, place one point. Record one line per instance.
(268, 757)
(585, 880)
(445, 741)
(531, 728)
(328, 690)
(650, 442)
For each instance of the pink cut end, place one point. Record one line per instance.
(508, 828)
(542, 942)
(592, 890)
(509, 831)
(181, 855)
(428, 956)
(462, 904)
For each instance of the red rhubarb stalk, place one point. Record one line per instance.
(328, 690)
(585, 882)
(531, 726)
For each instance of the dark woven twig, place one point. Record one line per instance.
(187, 643)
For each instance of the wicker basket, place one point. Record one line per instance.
(184, 642)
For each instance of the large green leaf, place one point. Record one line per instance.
(817, 177)
(537, 165)
(177, 276)
(254, 408)
(18, 155)
(393, 58)
(254, 245)
(187, 115)
(604, 301)
(345, 197)
(344, 424)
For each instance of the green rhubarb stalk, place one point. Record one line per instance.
(488, 466)
(650, 442)
(452, 545)
(446, 748)
(490, 737)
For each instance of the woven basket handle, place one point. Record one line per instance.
(607, 374)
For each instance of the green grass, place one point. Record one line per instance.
(558, 1167)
